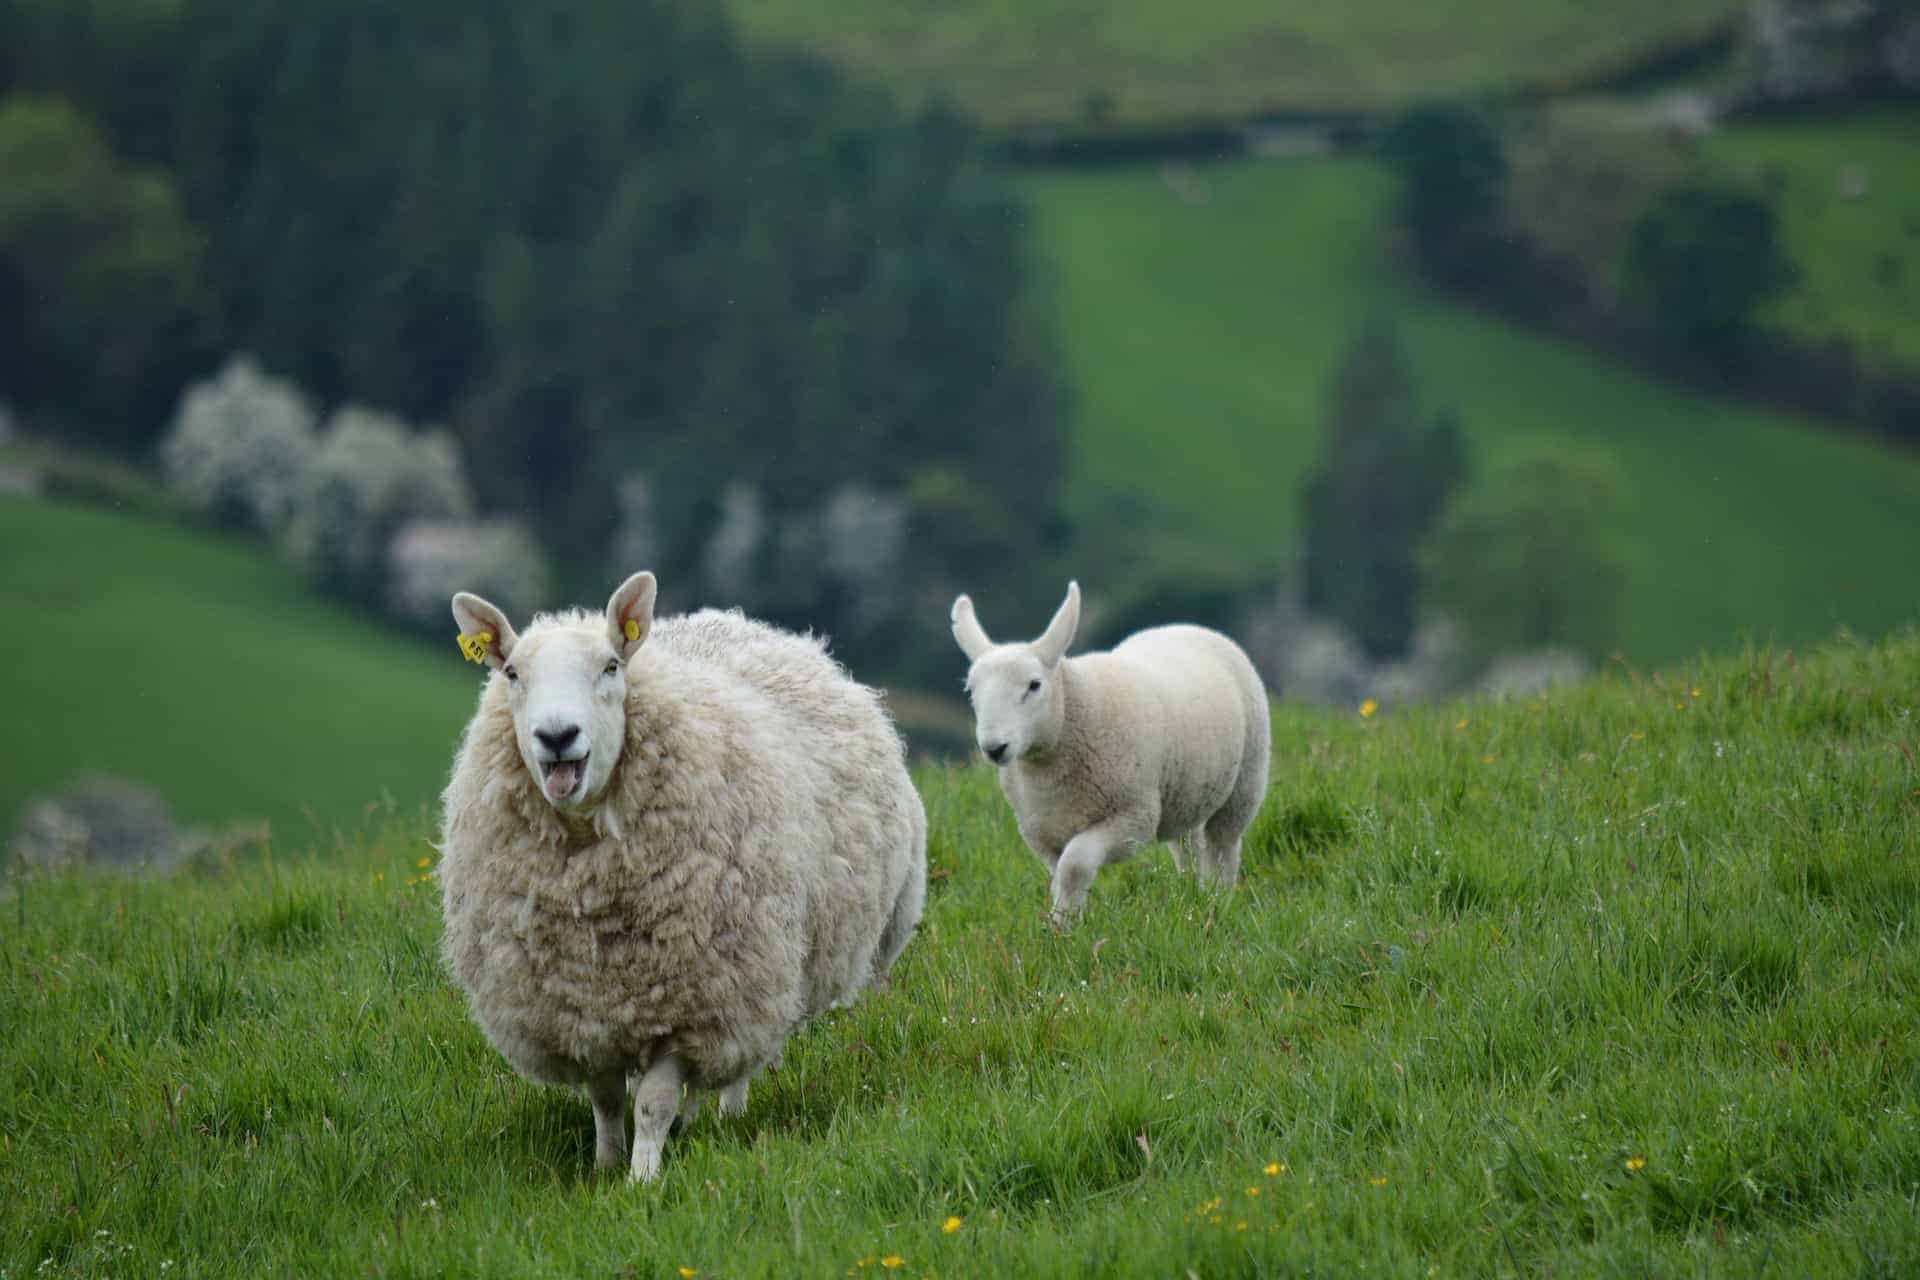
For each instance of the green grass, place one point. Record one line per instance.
(1859, 258)
(205, 667)
(1201, 337)
(1619, 982)
(1046, 61)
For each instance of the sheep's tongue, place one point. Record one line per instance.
(560, 781)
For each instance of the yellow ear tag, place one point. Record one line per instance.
(474, 644)
(632, 629)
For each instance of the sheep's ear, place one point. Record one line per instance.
(966, 629)
(1052, 646)
(485, 634)
(630, 613)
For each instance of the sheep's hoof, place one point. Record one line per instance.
(646, 1162)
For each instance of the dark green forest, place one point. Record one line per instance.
(594, 241)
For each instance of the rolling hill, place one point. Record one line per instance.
(1204, 309)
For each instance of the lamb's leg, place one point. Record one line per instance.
(608, 1093)
(1219, 861)
(656, 1101)
(1082, 859)
(1219, 840)
(733, 1098)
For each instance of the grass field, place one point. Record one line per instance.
(1046, 61)
(1616, 983)
(1858, 254)
(206, 668)
(1202, 328)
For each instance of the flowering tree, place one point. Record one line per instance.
(239, 445)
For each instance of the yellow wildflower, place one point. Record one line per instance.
(1368, 707)
(950, 1226)
(1636, 1163)
(1693, 693)
(1379, 1180)
(474, 644)
(893, 1260)
(1240, 1226)
(1277, 1168)
(688, 1273)
(1459, 724)
(424, 862)
(1488, 759)
(1253, 1191)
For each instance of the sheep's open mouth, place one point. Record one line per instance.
(562, 777)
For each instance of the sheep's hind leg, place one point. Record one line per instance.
(656, 1101)
(608, 1093)
(689, 1110)
(733, 1098)
(1218, 860)
(1218, 841)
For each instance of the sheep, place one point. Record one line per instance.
(664, 848)
(1165, 737)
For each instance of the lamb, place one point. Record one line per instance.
(664, 848)
(1165, 737)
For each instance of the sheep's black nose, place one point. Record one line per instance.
(557, 740)
(997, 752)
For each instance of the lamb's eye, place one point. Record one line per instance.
(613, 667)
(1033, 686)
(510, 673)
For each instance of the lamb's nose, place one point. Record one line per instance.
(557, 740)
(997, 752)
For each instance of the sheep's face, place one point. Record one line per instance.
(1018, 703)
(568, 691)
(566, 686)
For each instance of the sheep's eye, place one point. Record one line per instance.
(510, 673)
(613, 666)
(1033, 686)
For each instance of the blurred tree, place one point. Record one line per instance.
(1382, 478)
(1702, 260)
(1453, 170)
(101, 308)
(603, 238)
(1532, 555)
(1576, 189)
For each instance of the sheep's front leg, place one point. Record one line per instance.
(1082, 859)
(656, 1101)
(608, 1093)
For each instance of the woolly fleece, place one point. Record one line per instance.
(759, 855)
(1165, 737)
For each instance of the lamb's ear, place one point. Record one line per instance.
(485, 634)
(630, 613)
(966, 629)
(1052, 646)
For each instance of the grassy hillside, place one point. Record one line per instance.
(1858, 247)
(207, 669)
(1202, 328)
(1616, 983)
(1047, 61)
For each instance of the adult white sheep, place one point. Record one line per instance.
(1165, 737)
(666, 846)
